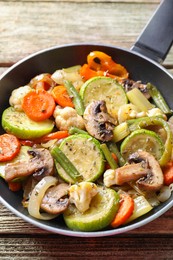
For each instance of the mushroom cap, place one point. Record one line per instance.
(98, 122)
(154, 179)
(40, 164)
(142, 168)
(55, 200)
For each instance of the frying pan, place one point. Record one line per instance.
(142, 62)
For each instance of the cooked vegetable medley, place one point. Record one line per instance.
(89, 143)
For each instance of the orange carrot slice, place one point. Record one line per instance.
(125, 210)
(168, 173)
(9, 147)
(38, 105)
(62, 97)
(51, 136)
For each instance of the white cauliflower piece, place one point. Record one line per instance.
(109, 178)
(17, 96)
(156, 112)
(129, 111)
(81, 195)
(67, 117)
(72, 74)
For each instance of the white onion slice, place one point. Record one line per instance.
(164, 194)
(37, 196)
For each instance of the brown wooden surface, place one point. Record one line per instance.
(29, 26)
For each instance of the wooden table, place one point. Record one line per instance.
(29, 26)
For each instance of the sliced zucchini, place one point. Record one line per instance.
(100, 214)
(104, 88)
(21, 126)
(85, 154)
(142, 139)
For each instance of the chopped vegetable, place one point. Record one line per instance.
(113, 148)
(139, 100)
(102, 210)
(15, 186)
(120, 132)
(141, 207)
(84, 152)
(62, 97)
(38, 105)
(158, 99)
(168, 173)
(65, 163)
(125, 210)
(51, 136)
(100, 61)
(148, 121)
(78, 103)
(81, 195)
(42, 81)
(75, 130)
(145, 140)
(109, 156)
(9, 147)
(20, 125)
(104, 89)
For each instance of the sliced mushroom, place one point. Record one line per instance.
(98, 122)
(55, 199)
(130, 172)
(143, 164)
(40, 164)
(129, 84)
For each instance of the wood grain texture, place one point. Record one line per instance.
(55, 247)
(38, 25)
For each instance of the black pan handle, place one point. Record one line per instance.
(156, 39)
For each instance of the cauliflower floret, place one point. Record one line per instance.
(81, 195)
(72, 74)
(17, 96)
(109, 177)
(67, 117)
(129, 111)
(156, 112)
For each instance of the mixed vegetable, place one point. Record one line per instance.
(89, 143)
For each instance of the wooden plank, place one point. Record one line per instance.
(58, 247)
(24, 31)
(11, 224)
(88, 1)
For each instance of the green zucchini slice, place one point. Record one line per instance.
(19, 124)
(85, 154)
(100, 214)
(104, 88)
(145, 140)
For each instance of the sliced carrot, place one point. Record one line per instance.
(168, 173)
(38, 105)
(14, 186)
(9, 147)
(115, 157)
(125, 210)
(51, 136)
(62, 97)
